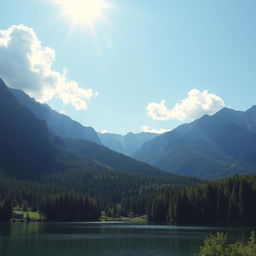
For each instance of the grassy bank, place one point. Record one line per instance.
(22, 216)
(141, 219)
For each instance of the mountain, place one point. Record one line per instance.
(108, 158)
(126, 144)
(28, 149)
(58, 124)
(211, 147)
(35, 165)
(25, 141)
(63, 126)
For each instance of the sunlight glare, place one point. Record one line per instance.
(84, 12)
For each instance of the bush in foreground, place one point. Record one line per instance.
(218, 245)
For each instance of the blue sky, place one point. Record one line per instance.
(147, 51)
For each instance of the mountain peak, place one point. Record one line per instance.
(251, 109)
(226, 110)
(210, 147)
(2, 84)
(228, 114)
(58, 124)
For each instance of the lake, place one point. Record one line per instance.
(105, 239)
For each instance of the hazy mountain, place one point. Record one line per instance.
(211, 147)
(109, 158)
(29, 150)
(36, 166)
(63, 126)
(126, 144)
(58, 124)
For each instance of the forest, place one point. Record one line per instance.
(116, 193)
(74, 179)
(229, 201)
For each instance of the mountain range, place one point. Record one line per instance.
(29, 149)
(35, 137)
(211, 147)
(63, 126)
(127, 144)
(37, 164)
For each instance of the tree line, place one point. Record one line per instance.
(70, 207)
(79, 195)
(225, 202)
(117, 193)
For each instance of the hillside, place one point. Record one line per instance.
(112, 159)
(29, 150)
(25, 141)
(37, 167)
(211, 147)
(58, 124)
(229, 201)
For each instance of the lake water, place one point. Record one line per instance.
(105, 239)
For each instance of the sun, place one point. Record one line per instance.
(84, 12)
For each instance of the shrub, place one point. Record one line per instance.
(218, 245)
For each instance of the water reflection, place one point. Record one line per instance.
(99, 239)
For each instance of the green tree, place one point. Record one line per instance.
(6, 210)
(218, 245)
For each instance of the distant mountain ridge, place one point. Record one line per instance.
(63, 126)
(58, 124)
(36, 165)
(211, 147)
(126, 144)
(28, 150)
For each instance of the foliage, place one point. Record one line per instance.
(70, 207)
(6, 210)
(119, 193)
(40, 167)
(218, 245)
(230, 201)
(29, 215)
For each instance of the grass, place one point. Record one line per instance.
(131, 219)
(33, 216)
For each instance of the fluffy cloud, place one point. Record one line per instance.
(104, 131)
(197, 104)
(146, 128)
(26, 64)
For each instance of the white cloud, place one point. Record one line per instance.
(146, 128)
(197, 104)
(26, 64)
(104, 131)
(158, 111)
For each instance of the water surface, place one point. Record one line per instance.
(105, 239)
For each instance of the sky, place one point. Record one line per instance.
(131, 65)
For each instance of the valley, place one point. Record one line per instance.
(48, 170)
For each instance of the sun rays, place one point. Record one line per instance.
(84, 12)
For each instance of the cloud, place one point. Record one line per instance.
(197, 104)
(26, 64)
(104, 131)
(146, 128)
